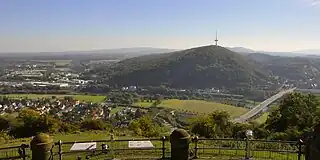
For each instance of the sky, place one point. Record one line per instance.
(66, 25)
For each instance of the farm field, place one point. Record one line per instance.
(57, 62)
(317, 96)
(198, 106)
(143, 104)
(90, 98)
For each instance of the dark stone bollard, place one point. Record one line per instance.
(312, 144)
(180, 140)
(41, 146)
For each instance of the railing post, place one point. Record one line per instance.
(300, 149)
(23, 147)
(247, 149)
(163, 139)
(112, 145)
(60, 149)
(196, 139)
(249, 134)
(219, 146)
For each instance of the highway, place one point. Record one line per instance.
(257, 109)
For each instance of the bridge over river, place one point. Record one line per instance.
(263, 105)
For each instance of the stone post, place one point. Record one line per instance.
(41, 146)
(312, 142)
(180, 140)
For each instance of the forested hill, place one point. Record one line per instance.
(303, 69)
(201, 67)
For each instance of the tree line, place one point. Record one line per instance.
(297, 114)
(30, 122)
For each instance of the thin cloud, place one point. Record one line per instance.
(315, 2)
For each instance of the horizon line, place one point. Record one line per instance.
(302, 51)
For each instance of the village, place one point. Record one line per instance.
(41, 74)
(71, 110)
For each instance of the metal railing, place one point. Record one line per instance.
(257, 149)
(203, 148)
(14, 152)
(115, 149)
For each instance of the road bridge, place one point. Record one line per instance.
(263, 105)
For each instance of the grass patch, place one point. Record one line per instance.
(115, 110)
(81, 136)
(143, 104)
(262, 119)
(86, 136)
(90, 98)
(197, 106)
(62, 62)
(57, 62)
(202, 106)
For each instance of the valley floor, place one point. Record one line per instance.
(197, 106)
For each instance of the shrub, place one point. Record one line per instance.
(4, 136)
(93, 125)
(145, 127)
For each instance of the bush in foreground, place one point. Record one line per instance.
(145, 127)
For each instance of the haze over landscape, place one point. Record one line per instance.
(51, 26)
(241, 78)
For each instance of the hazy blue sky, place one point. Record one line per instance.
(58, 25)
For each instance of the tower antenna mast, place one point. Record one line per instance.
(216, 38)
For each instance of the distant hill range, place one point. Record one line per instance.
(201, 67)
(212, 66)
(301, 69)
(241, 50)
(301, 66)
(133, 51)
(121, 53)
(300, 53)
(309, 52)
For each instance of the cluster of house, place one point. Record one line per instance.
(40, 74)
(58, 79)
(74, 83)
(33, 65)
(130, 88)
(70, 110)
(27, 73)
